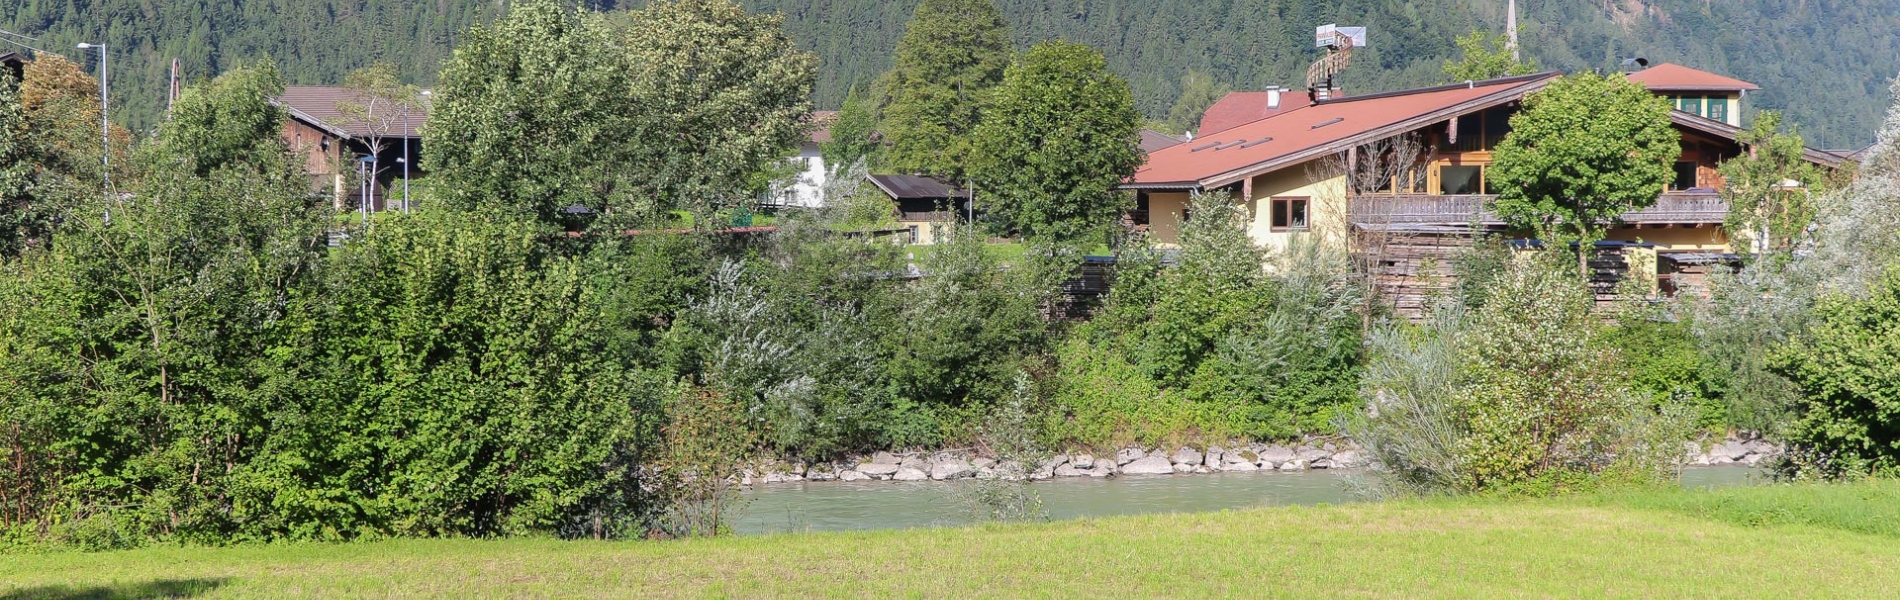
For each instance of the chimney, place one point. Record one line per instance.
(1273, 98)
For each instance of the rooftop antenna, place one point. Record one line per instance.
(1338, 42)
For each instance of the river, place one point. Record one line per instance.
(838, 506)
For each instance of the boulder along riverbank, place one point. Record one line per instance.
(1744, 448)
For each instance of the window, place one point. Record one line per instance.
(1685, 176)
(1289, 213)
(1718, 109)
(1461, 179)
(1690, 104)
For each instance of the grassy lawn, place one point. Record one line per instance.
(1810, 541)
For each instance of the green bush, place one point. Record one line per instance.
(1848, 369)
(1520, 396)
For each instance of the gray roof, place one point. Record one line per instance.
(917, 187)
(317, 106)
(1152, 140)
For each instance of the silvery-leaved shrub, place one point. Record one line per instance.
(1520, 395)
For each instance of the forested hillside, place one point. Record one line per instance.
(1826, 62)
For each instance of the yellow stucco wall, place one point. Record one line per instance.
(1164, 217)
(1674, 239)
(1325, 212)
(928, 232)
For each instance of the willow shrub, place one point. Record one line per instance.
(1522, 395)
(1229, 341)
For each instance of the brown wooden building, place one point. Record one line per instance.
(333, 145)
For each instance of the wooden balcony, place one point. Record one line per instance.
(1429, 209)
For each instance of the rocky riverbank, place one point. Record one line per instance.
(1313, 453)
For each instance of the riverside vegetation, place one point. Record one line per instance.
(186, 360)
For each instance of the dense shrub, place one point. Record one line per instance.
(1216, 342)
(1848, 370)
(1521, 395)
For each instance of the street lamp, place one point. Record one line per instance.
(404, 161)
(105, 128)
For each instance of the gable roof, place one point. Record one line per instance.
(917, 187)
(821, 125)
(1239, 108)
(316, 105)
(1152, 140)
(1670, 77)
(1699, 123)
(1301, 133)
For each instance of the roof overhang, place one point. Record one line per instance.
(1530, 83)
(307, 119)
(1726, 131)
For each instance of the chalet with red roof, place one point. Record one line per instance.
(1288, 171)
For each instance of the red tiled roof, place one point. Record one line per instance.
(1240, 108)
(822, 120)
(317, 105)
(1298, 133)
(1670, 77)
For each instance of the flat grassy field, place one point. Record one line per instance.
(1838, 541)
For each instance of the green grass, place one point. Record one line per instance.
(1633, 545)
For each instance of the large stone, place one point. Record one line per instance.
(1183, 468)
(1102, 469)
(1733, 449)
(1187, 456)
(1148, 465)
(1324, 463)
(1066, 470)
(1053, 462)
(909, 474)
(1212, 460)
(1347, 459)
(849, 475)
(1277, 454)
(1128, 455)
(878, 468)
(915, 462)
(1311, 454)
(980, 462)
(1239, 466)
(1082, 461)
(1236, 457)
(1293, 465)
(885, 458)
(949, 468)
(1720, 459)
(821, 472)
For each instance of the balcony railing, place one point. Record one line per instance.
(1427, 209)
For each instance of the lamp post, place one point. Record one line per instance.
(404, 161)
(105, 127)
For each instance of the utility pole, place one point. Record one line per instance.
(1510, 26)
(171, 95)
(105, 125)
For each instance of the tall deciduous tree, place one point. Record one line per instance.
(530, 114)
(854, 133)
(952, 53)
(1762, 204)
(1584, 150)
(718, 94)
(382, 104)
(1486, 56)
(1198, 92)
(1058, 136)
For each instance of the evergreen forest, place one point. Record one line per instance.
(1824, 63)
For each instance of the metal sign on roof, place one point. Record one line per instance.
(1323, 35)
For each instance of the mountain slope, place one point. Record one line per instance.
(1826, 62)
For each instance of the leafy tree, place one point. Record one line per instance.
(717, 94)
(952, 53)
(1198, 92)
(1761, 207)
(227, 122)
(1485, 56)
(531, 115)
(854, 133)
(1058, 135)
(19, 218)
(1584, 149)
(1847, 421)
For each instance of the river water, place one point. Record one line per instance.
(838, 506)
